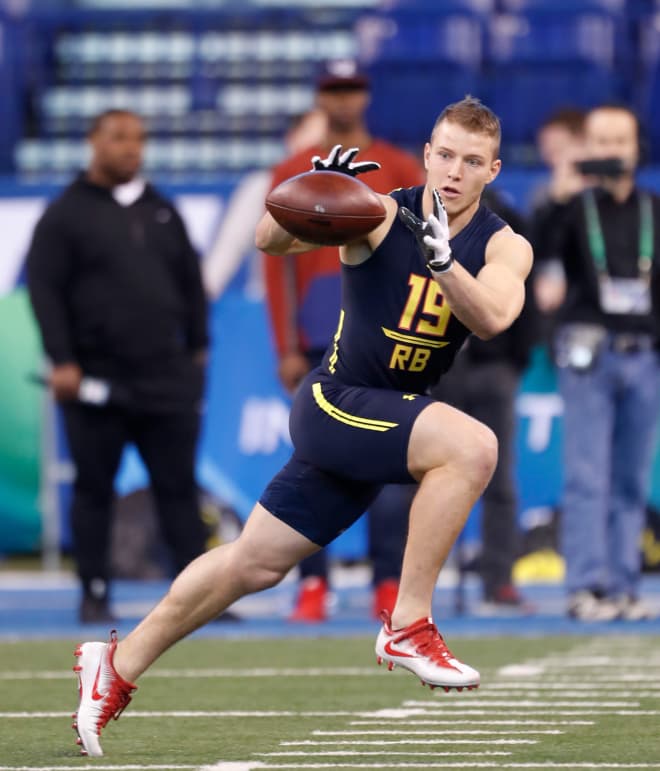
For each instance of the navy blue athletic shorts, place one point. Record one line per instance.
(349, 441)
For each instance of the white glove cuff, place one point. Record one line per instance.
(440, 272)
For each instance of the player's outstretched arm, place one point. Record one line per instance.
(273, 238)
(283, 233)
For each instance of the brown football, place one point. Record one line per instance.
(325, 207)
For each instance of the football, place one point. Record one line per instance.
(325, 207)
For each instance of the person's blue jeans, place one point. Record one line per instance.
(610, 419)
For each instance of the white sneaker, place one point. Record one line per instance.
(102, 692)
(634, 609)
(585, 606)
(420, 649)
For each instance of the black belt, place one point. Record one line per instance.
(629, 342)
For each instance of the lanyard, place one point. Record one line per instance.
(597, 241)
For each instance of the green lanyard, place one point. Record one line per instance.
(597, 241)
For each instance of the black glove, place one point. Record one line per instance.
(337, 162)
(432, 236)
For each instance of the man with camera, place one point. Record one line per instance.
(607, 350)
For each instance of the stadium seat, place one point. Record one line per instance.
(419, 62)
(539, 60)
(407, 98)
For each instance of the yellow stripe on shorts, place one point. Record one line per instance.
(351, 420)
(422, 341)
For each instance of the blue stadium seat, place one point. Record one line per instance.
(407, 97)
(481, 7)
(647, 91)
(566, 6)
(542, 59)
(438, 35)
(544, 35)
(419, 62)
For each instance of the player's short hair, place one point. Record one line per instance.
(98, 121)
(473, 116)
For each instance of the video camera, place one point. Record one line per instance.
(601, 167)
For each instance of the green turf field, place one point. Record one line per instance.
(578, 702)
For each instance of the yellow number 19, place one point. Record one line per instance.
(434, 305)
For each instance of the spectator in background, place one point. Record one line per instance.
(304, 299)
(607, 349)
(560, 143)
(484, 382)
(116, 289)
(234, 241)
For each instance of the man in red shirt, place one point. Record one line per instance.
(303, 293)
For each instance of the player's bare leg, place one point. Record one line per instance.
(262, 555)
(259, 558)
(454, 456)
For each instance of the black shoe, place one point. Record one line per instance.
(506, 597)
(227, 616)
(95, 611)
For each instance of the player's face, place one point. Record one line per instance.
(118, 147)
(558, 145)
(459, 164)
(612, 133)
(344, 109)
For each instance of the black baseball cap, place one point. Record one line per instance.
(342, 75)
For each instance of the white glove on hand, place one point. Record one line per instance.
(338, 162)
(439, 242)
(432, 236)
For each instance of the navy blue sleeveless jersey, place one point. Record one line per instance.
(395, 328)
(352, 417)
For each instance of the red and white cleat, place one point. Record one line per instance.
(103, 694)
(420, 649)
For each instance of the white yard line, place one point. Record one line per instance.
(519, 703)
(188, 714)
(393, 742)
(641, 676)
(518, 685)
(470, 764)
(59, 674)
(539, 692)
(547, 711)
(451, 732)
(388, 752)
(97, 767)
(397, 721)
(476, 713)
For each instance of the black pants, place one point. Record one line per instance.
(167, 445)
(487, 391)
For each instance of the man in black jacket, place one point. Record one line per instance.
(116, 289)
(607, 351)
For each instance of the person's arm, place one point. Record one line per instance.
(235, 235)
(550, 235)
(197, 335)
(49, 266)
(280, 277)
(49, 271)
